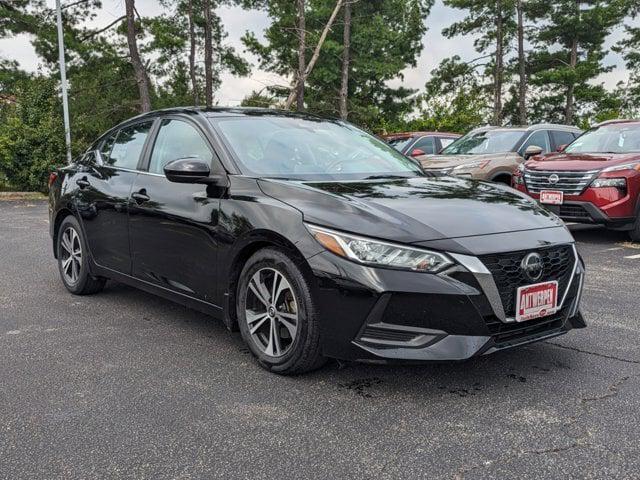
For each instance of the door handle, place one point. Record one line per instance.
(140, 196)
(83, 182)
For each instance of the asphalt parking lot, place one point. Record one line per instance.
(123, 384)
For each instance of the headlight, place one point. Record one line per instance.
(609, 182)
(626, 166)
(468, 166)
(378, 253)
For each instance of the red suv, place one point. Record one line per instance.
(595, 179)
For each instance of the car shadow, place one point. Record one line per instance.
(594, 234)
(493, 373)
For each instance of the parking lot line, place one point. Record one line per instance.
(633, 257)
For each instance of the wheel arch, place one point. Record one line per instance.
(59, 218)
(502, 177)
(246, 247)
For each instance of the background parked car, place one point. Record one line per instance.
(415, 144)
(596, 179)
(494, 153)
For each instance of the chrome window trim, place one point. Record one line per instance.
(490, 289)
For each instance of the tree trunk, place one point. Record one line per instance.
(208, 55)
(301, 55)
(569, 108)
(522, 95)
(192, 54)
(346, 47)
(497, 87)
(139, 70)
(314, 57)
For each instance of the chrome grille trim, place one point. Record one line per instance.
(570, 183)
(490, 289)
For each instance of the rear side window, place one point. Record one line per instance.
(561, 138)
(177, 139)
(127, 147)
(446, 141)
(426, 144)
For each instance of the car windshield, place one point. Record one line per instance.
(613, 138)
(309, 149)
(399, 143)
(478, 143)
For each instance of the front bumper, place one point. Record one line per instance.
(381, 315)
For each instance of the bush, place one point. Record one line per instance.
(31, 136)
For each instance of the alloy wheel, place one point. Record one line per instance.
(271, 312)
(71, 255)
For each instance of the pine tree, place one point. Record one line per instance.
(569, 55)
(493, 21)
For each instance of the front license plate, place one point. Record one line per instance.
(535, 301)
(551, 197)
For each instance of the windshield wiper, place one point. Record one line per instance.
(377, 177)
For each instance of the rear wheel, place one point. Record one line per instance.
(276, 314)
(73, 262)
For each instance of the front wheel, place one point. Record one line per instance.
(634, 234)
(277, 315)
(73, 261)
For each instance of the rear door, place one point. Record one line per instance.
(103, 195)
(172, 225)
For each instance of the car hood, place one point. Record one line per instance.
(579, 161)
(413, 209)
(445, 161)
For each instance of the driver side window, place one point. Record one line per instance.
(539, 139)
(177, 139)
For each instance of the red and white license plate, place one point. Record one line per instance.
(535, 301)
(551, 197)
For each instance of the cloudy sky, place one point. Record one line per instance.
(237, 21)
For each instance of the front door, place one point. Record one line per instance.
(172, 224)
(103, 195)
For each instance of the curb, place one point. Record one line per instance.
(8, 196)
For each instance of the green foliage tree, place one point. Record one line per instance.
(31, 135)
(386, 38)
(493, 23)
(569, 55)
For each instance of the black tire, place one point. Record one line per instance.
(303, 354)
(82, 283)
(634, 234)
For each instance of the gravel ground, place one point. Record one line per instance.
(124, 384)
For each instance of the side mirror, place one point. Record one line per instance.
(190, 170)
(531, 151)
(561, 147)
(416, 152)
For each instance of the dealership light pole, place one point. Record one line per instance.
(63, 80)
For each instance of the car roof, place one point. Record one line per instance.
(616, 121)
(529, 128)
(390, 136)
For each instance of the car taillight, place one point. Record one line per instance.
(52, 178)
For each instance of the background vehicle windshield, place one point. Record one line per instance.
(492, 141)
(615, 138)
(310, 149)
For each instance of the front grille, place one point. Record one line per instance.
(574, 211)
(508, 274)
(570, 183)
(505, 334)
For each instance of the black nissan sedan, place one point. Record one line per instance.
(313, 238)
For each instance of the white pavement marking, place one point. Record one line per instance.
(633, 257)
